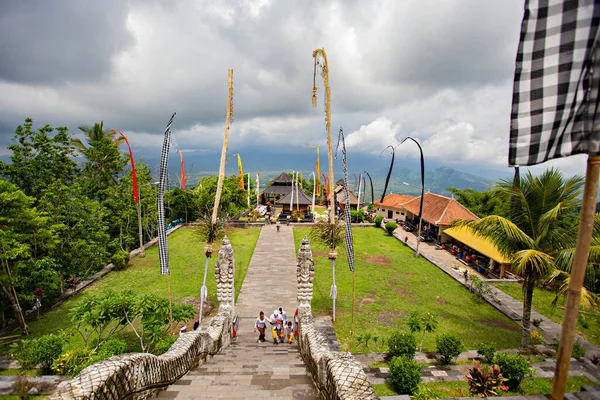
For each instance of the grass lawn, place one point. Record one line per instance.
(186, 262)
(443, 390)
(390, 283)
(542, 303)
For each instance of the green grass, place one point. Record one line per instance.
(453, 389)
(16, 372)
(186, 262)
(542, 303)
(388, 274)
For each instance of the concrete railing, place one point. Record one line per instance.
(142, 375)
(337, 375)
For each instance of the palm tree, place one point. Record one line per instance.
(94, 133)
(102, 152)
(541, 228)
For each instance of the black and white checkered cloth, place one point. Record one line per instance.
(349, 241)
(163, 250)
(557, 75)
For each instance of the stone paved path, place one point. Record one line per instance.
(248, 369)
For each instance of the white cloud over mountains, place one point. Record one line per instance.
(438, 71)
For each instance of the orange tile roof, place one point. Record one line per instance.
(438, 209)
(394, 200)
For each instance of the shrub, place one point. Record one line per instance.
(41, 351)
(111, 347)
(402, 344)
(485, 381)
(535, 337)
(537, 322)
(74, 361)
(390, 227)
(578, 350)
(423, 393)
(357, 215)
(22, 386)
(595, 359)
(487, 350)
(378, 221)
(164, 345)
(120, 260)
(405, 375)
(449, 347)
(514, 367)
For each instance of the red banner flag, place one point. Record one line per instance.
(133, 175)
(182, 170)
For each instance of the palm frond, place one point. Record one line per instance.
(532, 264)
(589, 300)
(504, 234)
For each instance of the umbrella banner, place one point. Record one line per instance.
(555, 92)
(349, 241)
(163, 251)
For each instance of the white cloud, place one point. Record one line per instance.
(375, 136)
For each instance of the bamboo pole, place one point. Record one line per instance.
(170, 300)
(352, 318)
(584, 239)
(325, 71)
(228, 119)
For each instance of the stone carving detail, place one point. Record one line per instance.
(337, 375)
(224, 270)
(305, 272)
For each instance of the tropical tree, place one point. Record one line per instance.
(484, 203)
(39, 158)
(540, 228)
(104, 160)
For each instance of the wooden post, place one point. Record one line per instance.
(584, 239)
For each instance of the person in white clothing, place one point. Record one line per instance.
(261, 325)
(276, 327)
(283, 315)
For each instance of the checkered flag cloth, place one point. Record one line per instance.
(163, 250)
(349, 242)
(557, 74)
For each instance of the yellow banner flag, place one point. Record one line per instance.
(318, 168)
(241, 172)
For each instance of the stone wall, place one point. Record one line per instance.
(337, 375)
(142, 375)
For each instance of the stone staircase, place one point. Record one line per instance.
(248, 369)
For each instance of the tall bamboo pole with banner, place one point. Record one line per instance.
(563, 120)
(321, 65)
(348, 236)
(213, 227)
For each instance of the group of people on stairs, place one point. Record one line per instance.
(281, 328)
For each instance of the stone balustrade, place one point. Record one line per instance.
(142, 375)
(336, 375)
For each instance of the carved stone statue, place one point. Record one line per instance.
(224, 270)
(305, 273)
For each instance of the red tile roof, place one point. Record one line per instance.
(394, 200)
(439, 210)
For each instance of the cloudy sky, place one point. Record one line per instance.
(440, 71)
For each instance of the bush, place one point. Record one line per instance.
(390, 227)
(485, 381)
(487, 350)
(111, 347)
(120, 260)
(74, 361)
(449, 347)
(578, 350)
(378, 221)
(402, 344)
(41, 351)
(514, 367)
(164, 345)
(22, 386)
(357, 215)
(405, 375)
(535, 337)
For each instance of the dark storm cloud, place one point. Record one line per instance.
(60, 40)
